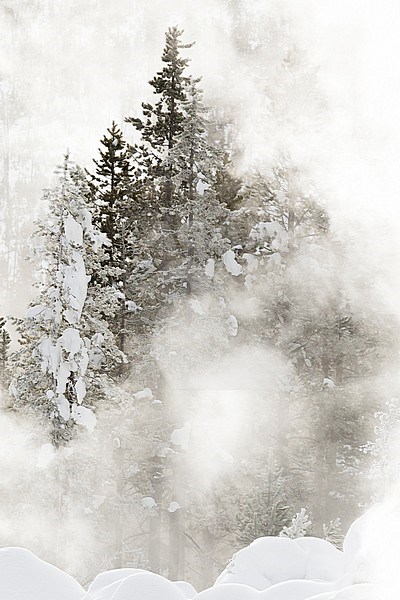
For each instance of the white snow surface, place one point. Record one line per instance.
(209, 268)
(252, 262)
(271, 568)
(73, 230)
(84, 416)
(107, 578)
(273, 232)
(148, 502)
(23, 576)
(131, 306)
(180, 437)
(145, 394)
(71, 341)
(196, 306)
(231, 265)
(141, 585)
(173, 506)
(233, 325)
(201, 187)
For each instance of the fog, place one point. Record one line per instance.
(67, 69)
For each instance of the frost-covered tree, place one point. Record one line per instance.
(333, 532)
(301, 523)
(66, 349)
(284, 252)
(4, 351)
(120, 213)
(384, 448)
(184, 235)
(200, 211)
(160, 129)
(263, 509)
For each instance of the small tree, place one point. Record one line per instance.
(333, 532)
(265, 507)
(301, 523)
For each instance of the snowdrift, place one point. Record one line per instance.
(23, 576)
(269, 569)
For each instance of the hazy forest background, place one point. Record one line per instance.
(199, 315)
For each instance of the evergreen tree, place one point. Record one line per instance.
(161, 125)
(198, 241)
(163, 121)
(119, 213)
(301, 523)
(333, 533)
(65, 351)
(200, 212)
(385, 467)
(4, 350)
(265, 507)
(228, 187)
(184, 234)
(113, 188)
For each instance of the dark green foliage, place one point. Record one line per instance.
(228, 187)
(163, 121)
(114, 195)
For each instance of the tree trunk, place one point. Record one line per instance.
(157, 482)
(207, 564)
(119, 546)
(174, 546)
(155, 519)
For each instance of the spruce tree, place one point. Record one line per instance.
(119, 213)
(112, 186)
(200, 212)
(163, 122)
(159, 128)
(185, 234)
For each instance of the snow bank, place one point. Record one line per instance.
(23, 576)
(186, 588)
(125, 584)
(277, 558)
(324, 561)
(271, 568)
(108, 577)
(271, 560)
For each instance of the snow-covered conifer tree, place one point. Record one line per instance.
(118, 211)
(301, 523)
(65, 349)
(201, 213)
(4, 349)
